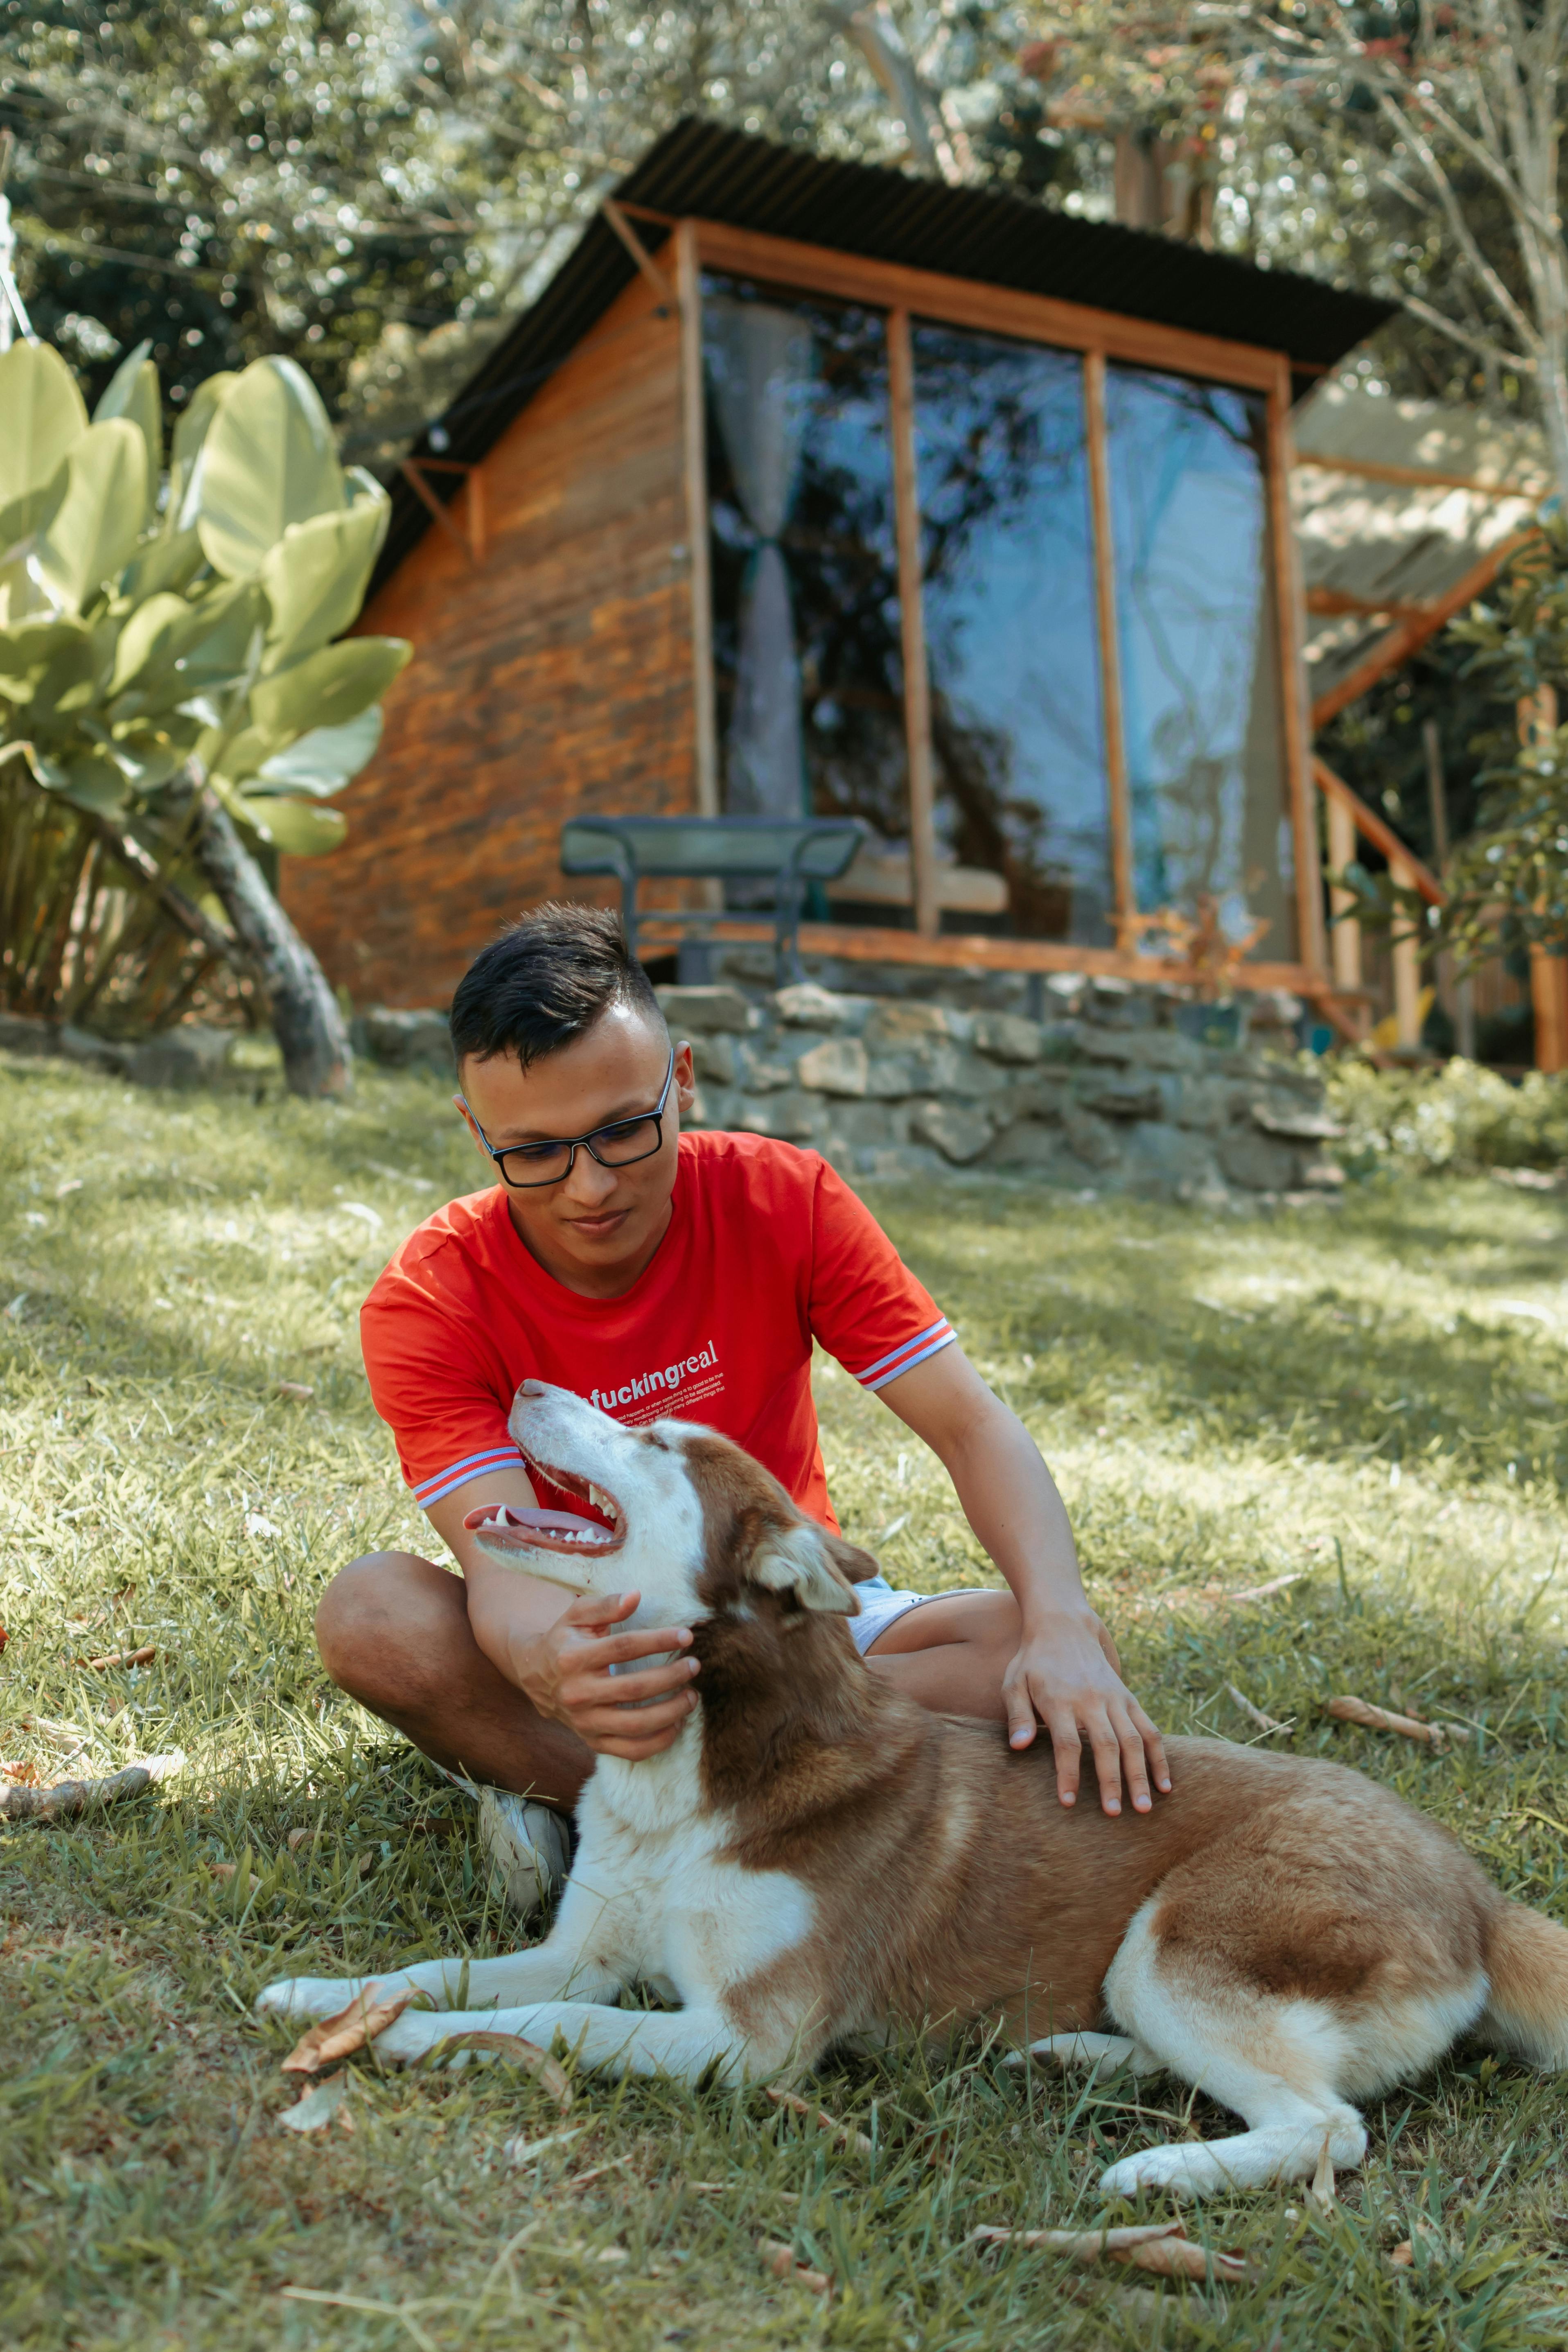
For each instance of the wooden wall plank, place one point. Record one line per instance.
(555, 679)
(912, 612)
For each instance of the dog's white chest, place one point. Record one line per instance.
(672, 1913)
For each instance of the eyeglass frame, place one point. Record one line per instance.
(572, 1144)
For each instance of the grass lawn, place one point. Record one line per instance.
(1372, 1401)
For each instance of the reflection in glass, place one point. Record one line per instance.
(1008, 558)
(1200, 653)
(806, 603)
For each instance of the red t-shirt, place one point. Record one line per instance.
(766, 1250)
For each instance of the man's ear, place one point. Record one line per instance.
(801, 1560)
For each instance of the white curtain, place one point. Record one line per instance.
(760, 363)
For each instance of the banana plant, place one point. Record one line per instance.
(173, 669)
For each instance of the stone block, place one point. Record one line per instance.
(757, 1073)
(114, 1061)
(31, 1038)
(1126, 1098)
(862, 1123)
(901, 1025)
(1116, 1045)
(792, 1116)
(1038, 1094)
(713, 1057)
(1118, 1004)
(1025, 1143)
(400, 1040)
(838, 1066)
(1204, 1102)
(958, 1134)
(893, 1078)
(1165, 1049)
(1163, 1160)
(808, 1006)
(1296, 1122)
(187, 1056)
(1006, 1037)
(1090, 1139)
(704, 1012)
(1256, 1163)
(1061, 1041)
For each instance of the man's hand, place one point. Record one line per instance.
(1066, 1676)
(565, 1672)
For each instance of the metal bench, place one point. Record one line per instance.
(791, 855)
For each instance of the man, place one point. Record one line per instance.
(659, 1273)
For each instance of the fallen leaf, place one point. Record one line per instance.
(1161, 2247)
(320, 2106)
(296, 1839)
(227, 1870)
(607, 2254)
(143, 1657)
(548, 2072)
(1404, 2255)
(782, 2261)
(294, 1391)
(843, 2135)
(351, 2028)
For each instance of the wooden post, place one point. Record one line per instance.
(1296, 726)
(1405, 956)
(1457, 997)
(911, 611)
(1345, 937)
(1110, 642)
(1547, 972)
(694, 463)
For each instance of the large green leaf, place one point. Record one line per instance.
(19, 518)
(298, 828)
(268, 461)
(315, 577)
(324, 760)
(327, 687)
(172, 560)
(96, 506)
(42, 417)
(28, 649)
(88, 777)
(133, 394)
(153, 638)
(189, 434)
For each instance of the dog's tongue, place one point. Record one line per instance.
(499, 1517)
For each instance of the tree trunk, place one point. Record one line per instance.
(317, 1059)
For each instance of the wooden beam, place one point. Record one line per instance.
(694, 465)
(1418, 477)
(1102, 523)
(1382, 836)
(639, 253)
(1332, 602)
(868, 943)
(912, 613)
(997, 309)
(1404, 953)
(474, 541)
(1344, 937)
(1295, 725)
(1411, 635)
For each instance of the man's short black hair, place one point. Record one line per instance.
(544, 982)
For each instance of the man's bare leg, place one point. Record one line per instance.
(393, 1630)
(951, 1653)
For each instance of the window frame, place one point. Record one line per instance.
(902, 294)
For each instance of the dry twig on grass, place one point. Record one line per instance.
(1350, 1710)
(548, 2072)
(67, 1798)
(785, 2263)
(843, 2135)
(1255, 1714)
(1161, 2247)
(142, 1658)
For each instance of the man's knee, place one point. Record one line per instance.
(384, 1622)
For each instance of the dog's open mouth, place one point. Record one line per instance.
(502, 1527)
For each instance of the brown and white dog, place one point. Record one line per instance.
(818, 1859)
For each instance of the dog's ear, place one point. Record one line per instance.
(849, 1560)
(801, 1560)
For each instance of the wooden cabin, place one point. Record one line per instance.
(810, 487)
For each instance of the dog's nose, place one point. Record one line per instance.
(535, 1389)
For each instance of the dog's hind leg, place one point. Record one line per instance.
(1278, 2061)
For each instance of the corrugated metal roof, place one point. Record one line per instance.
(992, 236)
(1400, 544)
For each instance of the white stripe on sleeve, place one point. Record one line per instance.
(928, 1342)
(457, 1474)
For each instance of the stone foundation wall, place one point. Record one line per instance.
(1110, 1091)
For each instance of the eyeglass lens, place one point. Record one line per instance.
(615, 1146)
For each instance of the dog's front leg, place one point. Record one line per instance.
(561, 1968)
(684, 2043)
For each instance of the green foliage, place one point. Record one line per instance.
(1225, 1402)
(136, 640)
(1460, 1118)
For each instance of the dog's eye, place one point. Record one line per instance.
(790, 1602)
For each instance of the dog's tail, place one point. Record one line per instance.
(1527, 1966)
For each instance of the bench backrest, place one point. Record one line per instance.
(708, 848)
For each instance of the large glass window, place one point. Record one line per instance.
(807, 647)
(1011, 646)
(1200, 653)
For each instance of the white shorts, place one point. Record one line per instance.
(880, 1606)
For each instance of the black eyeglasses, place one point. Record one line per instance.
(615, 1146)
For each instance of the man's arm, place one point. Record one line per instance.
(559, 1652)
(1065, 1673)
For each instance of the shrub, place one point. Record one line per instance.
(1461, 1118)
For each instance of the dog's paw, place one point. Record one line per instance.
(1186, 2170)
(309, 1996)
